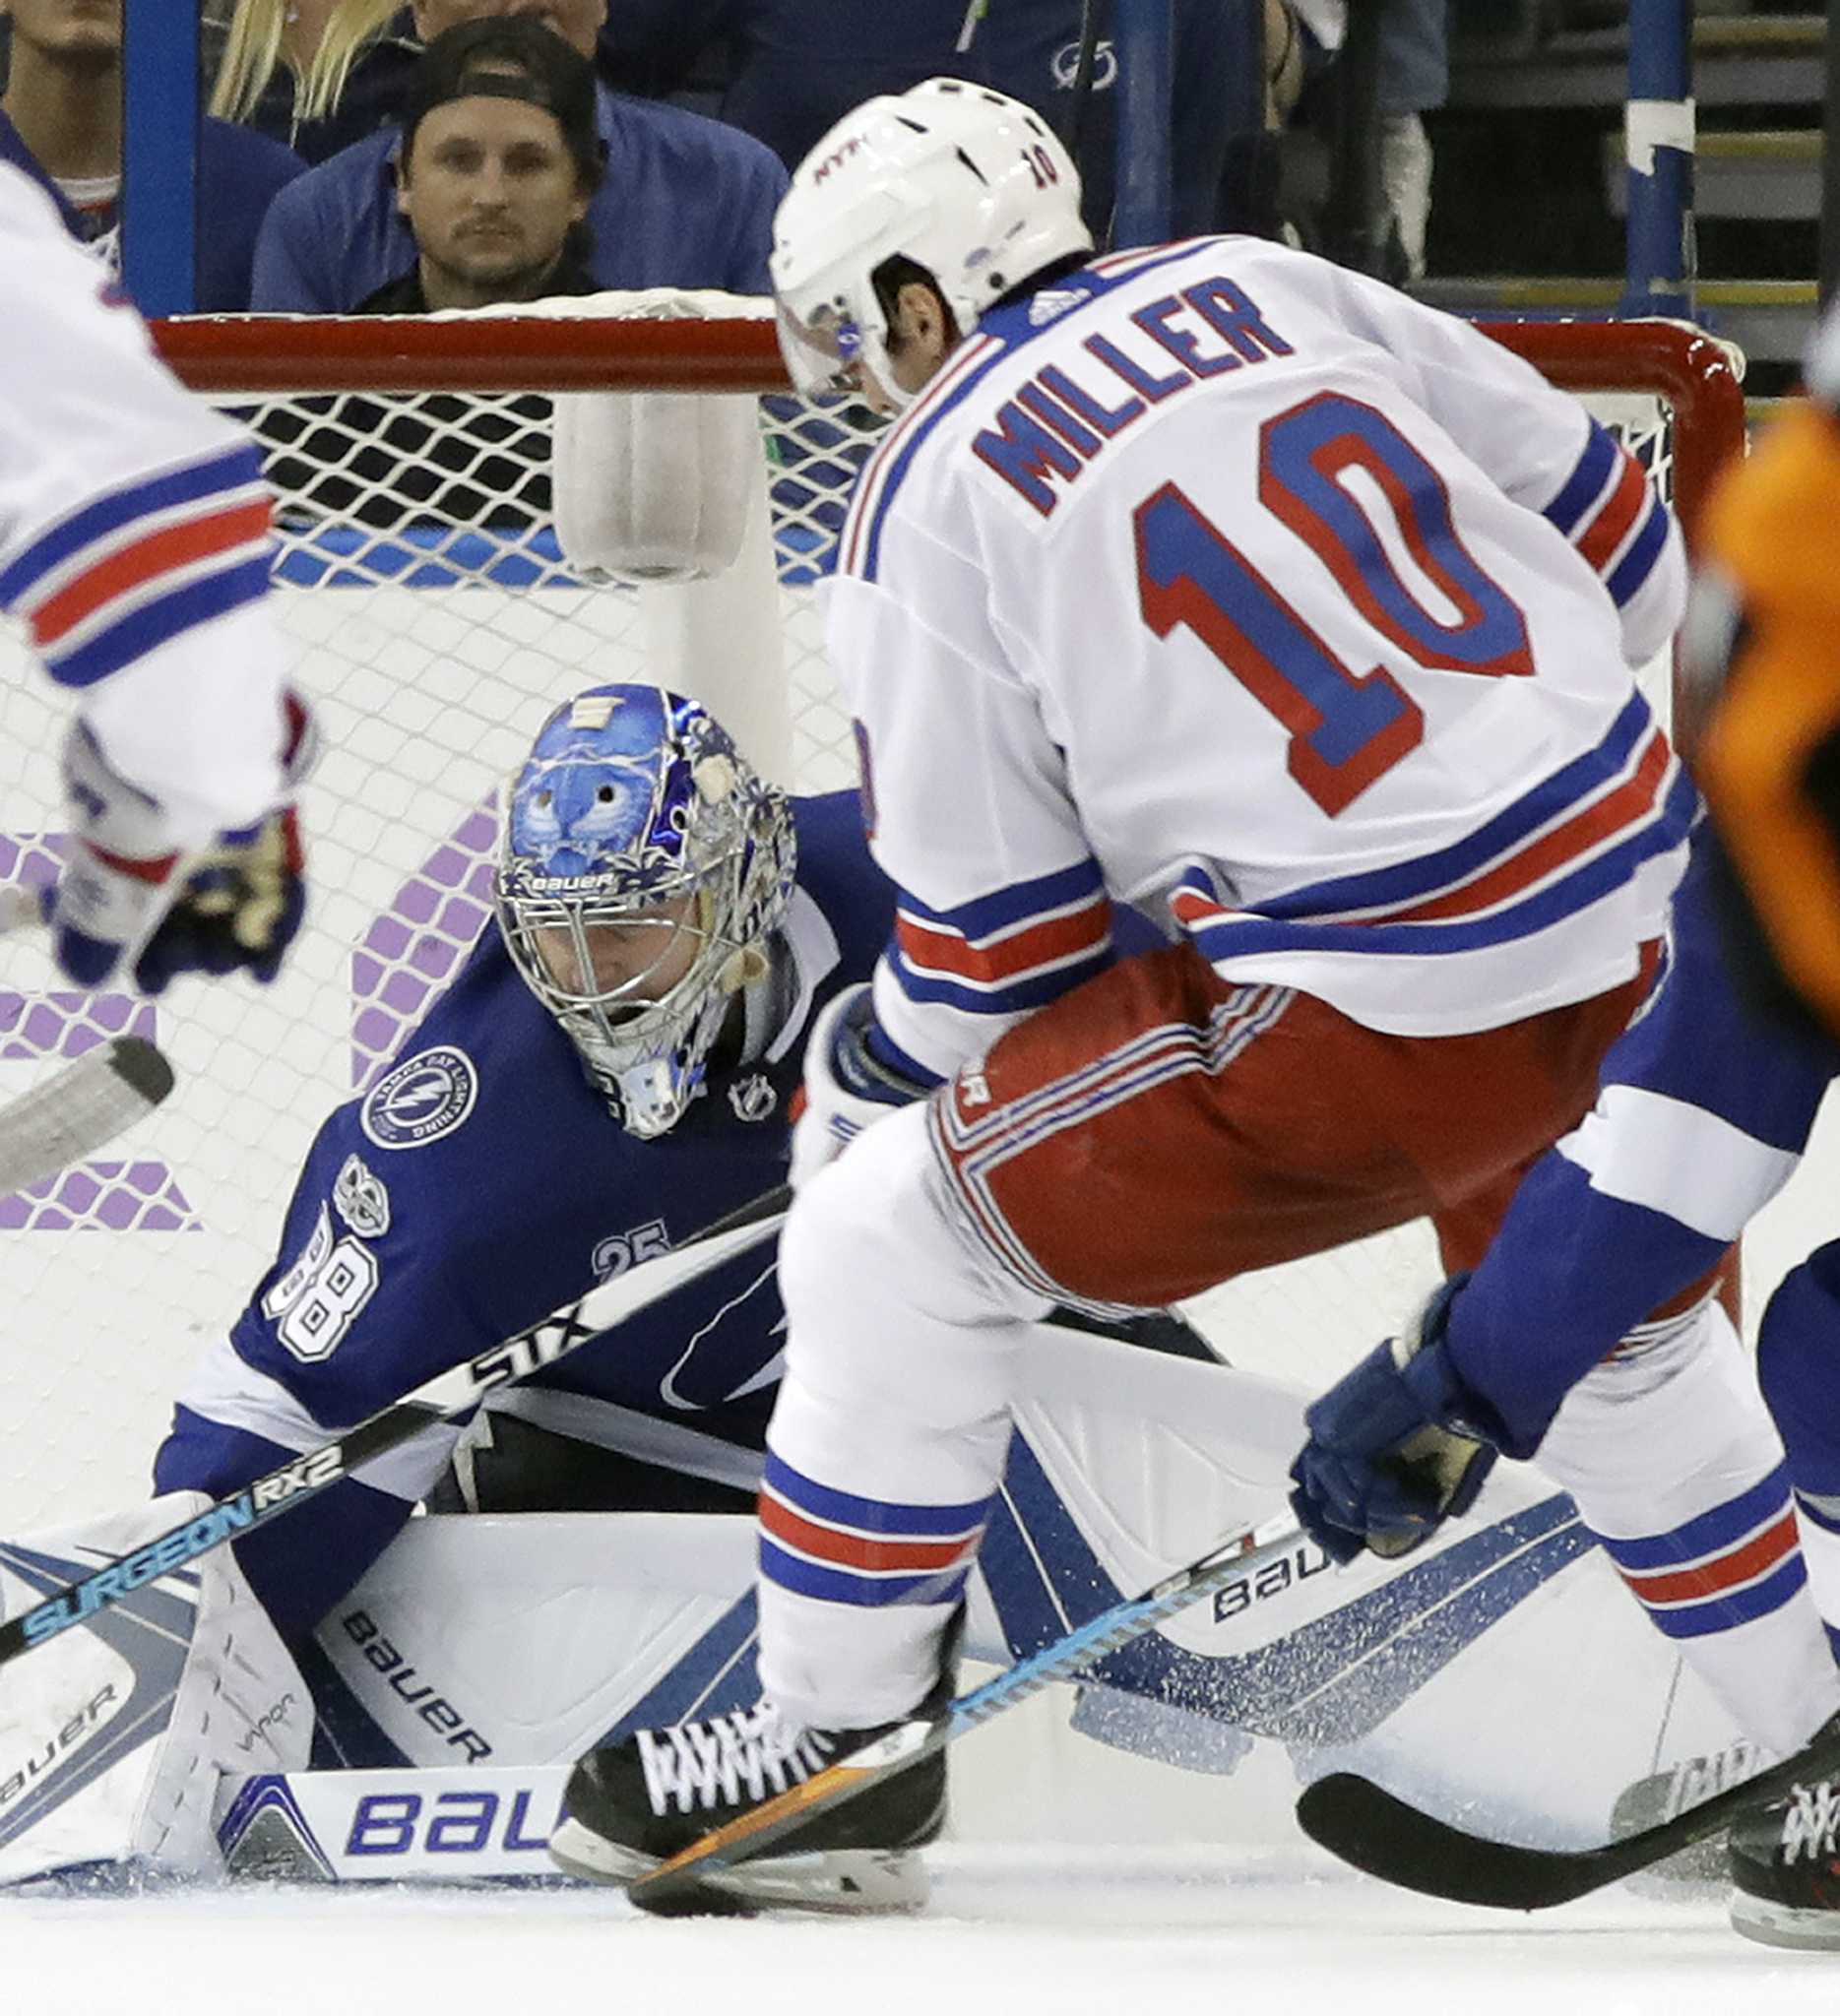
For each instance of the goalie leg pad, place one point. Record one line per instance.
(114, 1737)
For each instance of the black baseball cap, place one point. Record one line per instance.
(509, 57)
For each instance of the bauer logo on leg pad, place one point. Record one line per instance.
(18, 1778)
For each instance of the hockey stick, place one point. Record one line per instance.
(79, 1109)
(1369, 1827)
(681, 1885)
(460, 1386)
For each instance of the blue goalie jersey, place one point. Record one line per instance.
(481, 1184)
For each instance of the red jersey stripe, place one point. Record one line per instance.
(1600, 821)
(1621, 508)
(1625, 806)
(861, 1551)
(1725, 1572)
(927, 949)
(171, 549)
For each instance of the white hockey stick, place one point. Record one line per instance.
(84, 1107)
(79, 1109)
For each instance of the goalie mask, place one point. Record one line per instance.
(642, 868)
(969, 184)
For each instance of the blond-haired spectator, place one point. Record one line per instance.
(317, 74)
(61, 122)
(685, 202)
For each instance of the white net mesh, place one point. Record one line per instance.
(436, 624)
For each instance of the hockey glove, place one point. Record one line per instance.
(1394, 1446)
(236, 903)
(846, 1085)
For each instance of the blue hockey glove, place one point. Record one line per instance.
(847, 1085)
(1395, 1446)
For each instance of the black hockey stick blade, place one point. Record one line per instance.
(79, 1109)
(142, 1066)
(1370, 1829)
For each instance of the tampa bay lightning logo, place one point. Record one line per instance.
(425, 1098)
(1066, 66)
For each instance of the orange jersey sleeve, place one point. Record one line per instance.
(1769, 760)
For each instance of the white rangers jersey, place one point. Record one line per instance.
(134, 527)
(1218, 579)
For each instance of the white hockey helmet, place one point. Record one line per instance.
(969, 184)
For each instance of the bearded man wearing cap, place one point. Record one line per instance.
(498, 166)
(682, 201)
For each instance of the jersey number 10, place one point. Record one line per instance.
(1347, 729)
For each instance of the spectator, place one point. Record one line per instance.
(317, 74)
(499, 163)
(61, 118)
(1415, 78)
(798, 65)
(685, 202)
(497, 170)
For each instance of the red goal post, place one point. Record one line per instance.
(436, 621)
(1674, 362)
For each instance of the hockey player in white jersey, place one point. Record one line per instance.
(133, 551)
(1215, 579)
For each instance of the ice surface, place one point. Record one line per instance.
(1010, 1930)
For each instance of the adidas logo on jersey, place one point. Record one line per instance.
(1050, 302)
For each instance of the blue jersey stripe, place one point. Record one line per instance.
(1745, 1606)
(1585, 482)
(1012, 904)
(886, 1051)
(1016, 999)
(1638, 563)
(865, 1592)
(1709, 1534)
(1426, 875)
(1012, 331)
(871, 1514)
(1242, 935)
(158, 622)
(235, 470)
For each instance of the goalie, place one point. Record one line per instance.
(668, 923)
(669, 926)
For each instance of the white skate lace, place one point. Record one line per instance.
(728, 1759)
(1810, 1822)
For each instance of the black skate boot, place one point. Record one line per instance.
(631, 1804)
(1784, 1862)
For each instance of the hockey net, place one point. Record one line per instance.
(436, 623)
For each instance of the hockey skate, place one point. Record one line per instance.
(1784, 1861)
(630, 1805)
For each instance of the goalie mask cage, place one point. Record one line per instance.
(436, 623)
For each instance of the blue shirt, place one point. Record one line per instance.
(239, 174)
(799, 65)
(684, 203)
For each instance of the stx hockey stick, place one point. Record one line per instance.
(79, 1109)
(448, 1393)
(1366, 1826)
(681, 1885)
